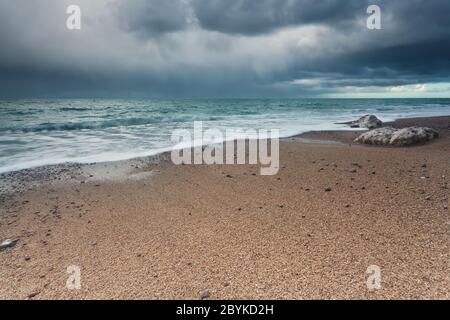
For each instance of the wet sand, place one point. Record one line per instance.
(147, 229)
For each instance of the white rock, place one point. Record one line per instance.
(368, 121)
(398, 137)
(413, 135)
(381, 136)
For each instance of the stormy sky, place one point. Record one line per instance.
(224, 48)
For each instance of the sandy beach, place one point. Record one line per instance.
(147, 229)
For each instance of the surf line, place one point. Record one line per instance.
(209, 147)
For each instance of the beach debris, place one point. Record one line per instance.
(398, 137)
(8, 244)
(428, 198)
(328, 189)
(204, 294)
(368, 121)
(226, 284)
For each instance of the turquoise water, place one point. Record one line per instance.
(42, 132)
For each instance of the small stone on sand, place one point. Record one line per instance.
(204, 294)
(33, 294)
(8, 244)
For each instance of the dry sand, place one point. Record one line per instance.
(168, 232)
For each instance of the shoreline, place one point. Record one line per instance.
(119, 170)
(170, 232)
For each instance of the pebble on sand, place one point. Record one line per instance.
(8, 244)
(204, 294)
(33, 294)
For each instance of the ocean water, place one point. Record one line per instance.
(42, 132)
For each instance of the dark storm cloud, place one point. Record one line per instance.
(172, 48)
(256, 17)
(153, 17)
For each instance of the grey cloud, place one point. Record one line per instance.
(153, 17)
(221, 48)
(256, 17)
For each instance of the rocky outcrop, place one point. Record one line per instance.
(368, 121)
(398, 137)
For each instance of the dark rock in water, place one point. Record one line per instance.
(368, 121)
(398, 137)
(8, 244)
